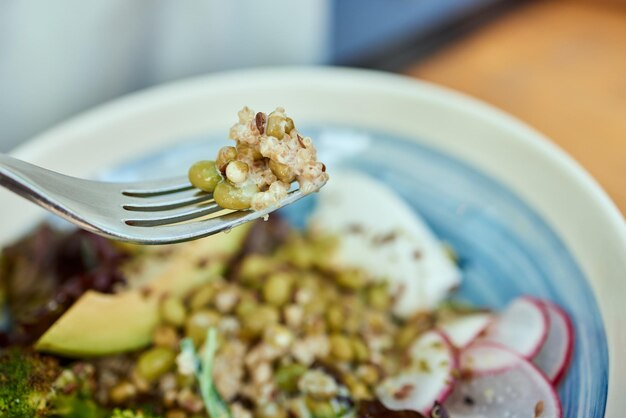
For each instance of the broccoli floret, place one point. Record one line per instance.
(34, 385)
(25, 380)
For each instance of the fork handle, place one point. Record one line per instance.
(14, 176)
(30, 181)
(10, 163)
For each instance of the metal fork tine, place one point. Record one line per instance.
(156, 187)
(201, 228)
(192, 230)
(170, 216)
(166, 202)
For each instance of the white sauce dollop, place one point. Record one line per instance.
(380, 234)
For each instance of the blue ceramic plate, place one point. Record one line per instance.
(505, 248)
(524, 218)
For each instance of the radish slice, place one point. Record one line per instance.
(556, 352)
(501, 383)
(521, 327)
(427, 380)
(463, 330)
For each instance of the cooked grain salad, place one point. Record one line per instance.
(290, 335)
(261, 322)
(269, 154)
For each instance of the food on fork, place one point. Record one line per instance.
(257, 173)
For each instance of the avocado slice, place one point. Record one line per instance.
(101, 324)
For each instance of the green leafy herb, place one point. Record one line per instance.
(203, 370)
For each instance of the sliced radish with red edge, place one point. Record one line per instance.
(463, 330)
(426, 381)
(498, 382)
(522, 327)
(556, 353)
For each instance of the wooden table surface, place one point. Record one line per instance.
(559, 66)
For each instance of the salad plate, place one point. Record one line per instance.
(522, 216)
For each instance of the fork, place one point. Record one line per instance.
(151, 212)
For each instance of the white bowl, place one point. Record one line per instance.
(542, 176)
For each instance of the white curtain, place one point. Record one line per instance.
(60, 57)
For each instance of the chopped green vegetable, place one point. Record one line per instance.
(74, 406)
(213, 402)
(25, 380)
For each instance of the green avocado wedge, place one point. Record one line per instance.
(101, 324)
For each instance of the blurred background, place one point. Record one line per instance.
(558, 65)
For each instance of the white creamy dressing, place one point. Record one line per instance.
(382, 235)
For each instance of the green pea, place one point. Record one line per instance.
(165, 336)
(378, 297)
(407, 334)
(230, 196)
(360, 350)
(286, 377)
(122, 392)
(282, 171)
(278, 125)
(334, 318)
(173, 311)
(253, 268)
(358, 389)
(244, 307)
(368, 374)
(353, 314)
(298, 254)
(277, 289)
(312, 296)
(202, 297)
(415, 326)
(310, 285)
(155, 362)
(320, 409)
(185, 380)
(341, 347)
(314, 325)
(257, 319)
(198, 324)
(330, 293)
(351, 279)
(204, 175)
